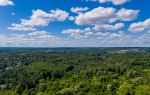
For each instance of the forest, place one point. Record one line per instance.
(74, 71)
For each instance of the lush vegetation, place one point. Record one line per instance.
(76, 71)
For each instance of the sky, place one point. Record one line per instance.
(74, 23)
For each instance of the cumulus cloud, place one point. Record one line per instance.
(20, 27)
(102, 18)
(115, 35)
(115, 2)
(40, 35)
(102, 34)
(6, 3)
(78, 33)
(127, 14)
(75, 33)
(102, 39)
(72, 31)
(140, 26)
(40, 18)
(88, 33)
(98, 15)
(117, 26)
(107, 15)
(33, 39)
(110, 36)
(79, 10)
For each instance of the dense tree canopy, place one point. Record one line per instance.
(76, 71)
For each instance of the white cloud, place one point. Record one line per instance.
(117, 35)
(101, 21)
(103, 34)
(6, 3)
(117, 26)
(38, 33)
(127, 14)
(40, 18)
(41, 35)
(98, 15)
(103, 18)
(33, 39)
(110, 35)
(72, 31)
(78, 33)
(101, 15)
(59, 15)
(88, 33)
(79, 10)
(140, 26)
(20, 27)
(99, 39)
(115, 2)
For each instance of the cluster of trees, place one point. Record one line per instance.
(74, 72)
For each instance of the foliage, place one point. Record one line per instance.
(75, 71)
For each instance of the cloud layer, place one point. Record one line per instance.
(140, 26)
(84, 26)
(40, 18)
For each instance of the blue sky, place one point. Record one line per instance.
(74, 23)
